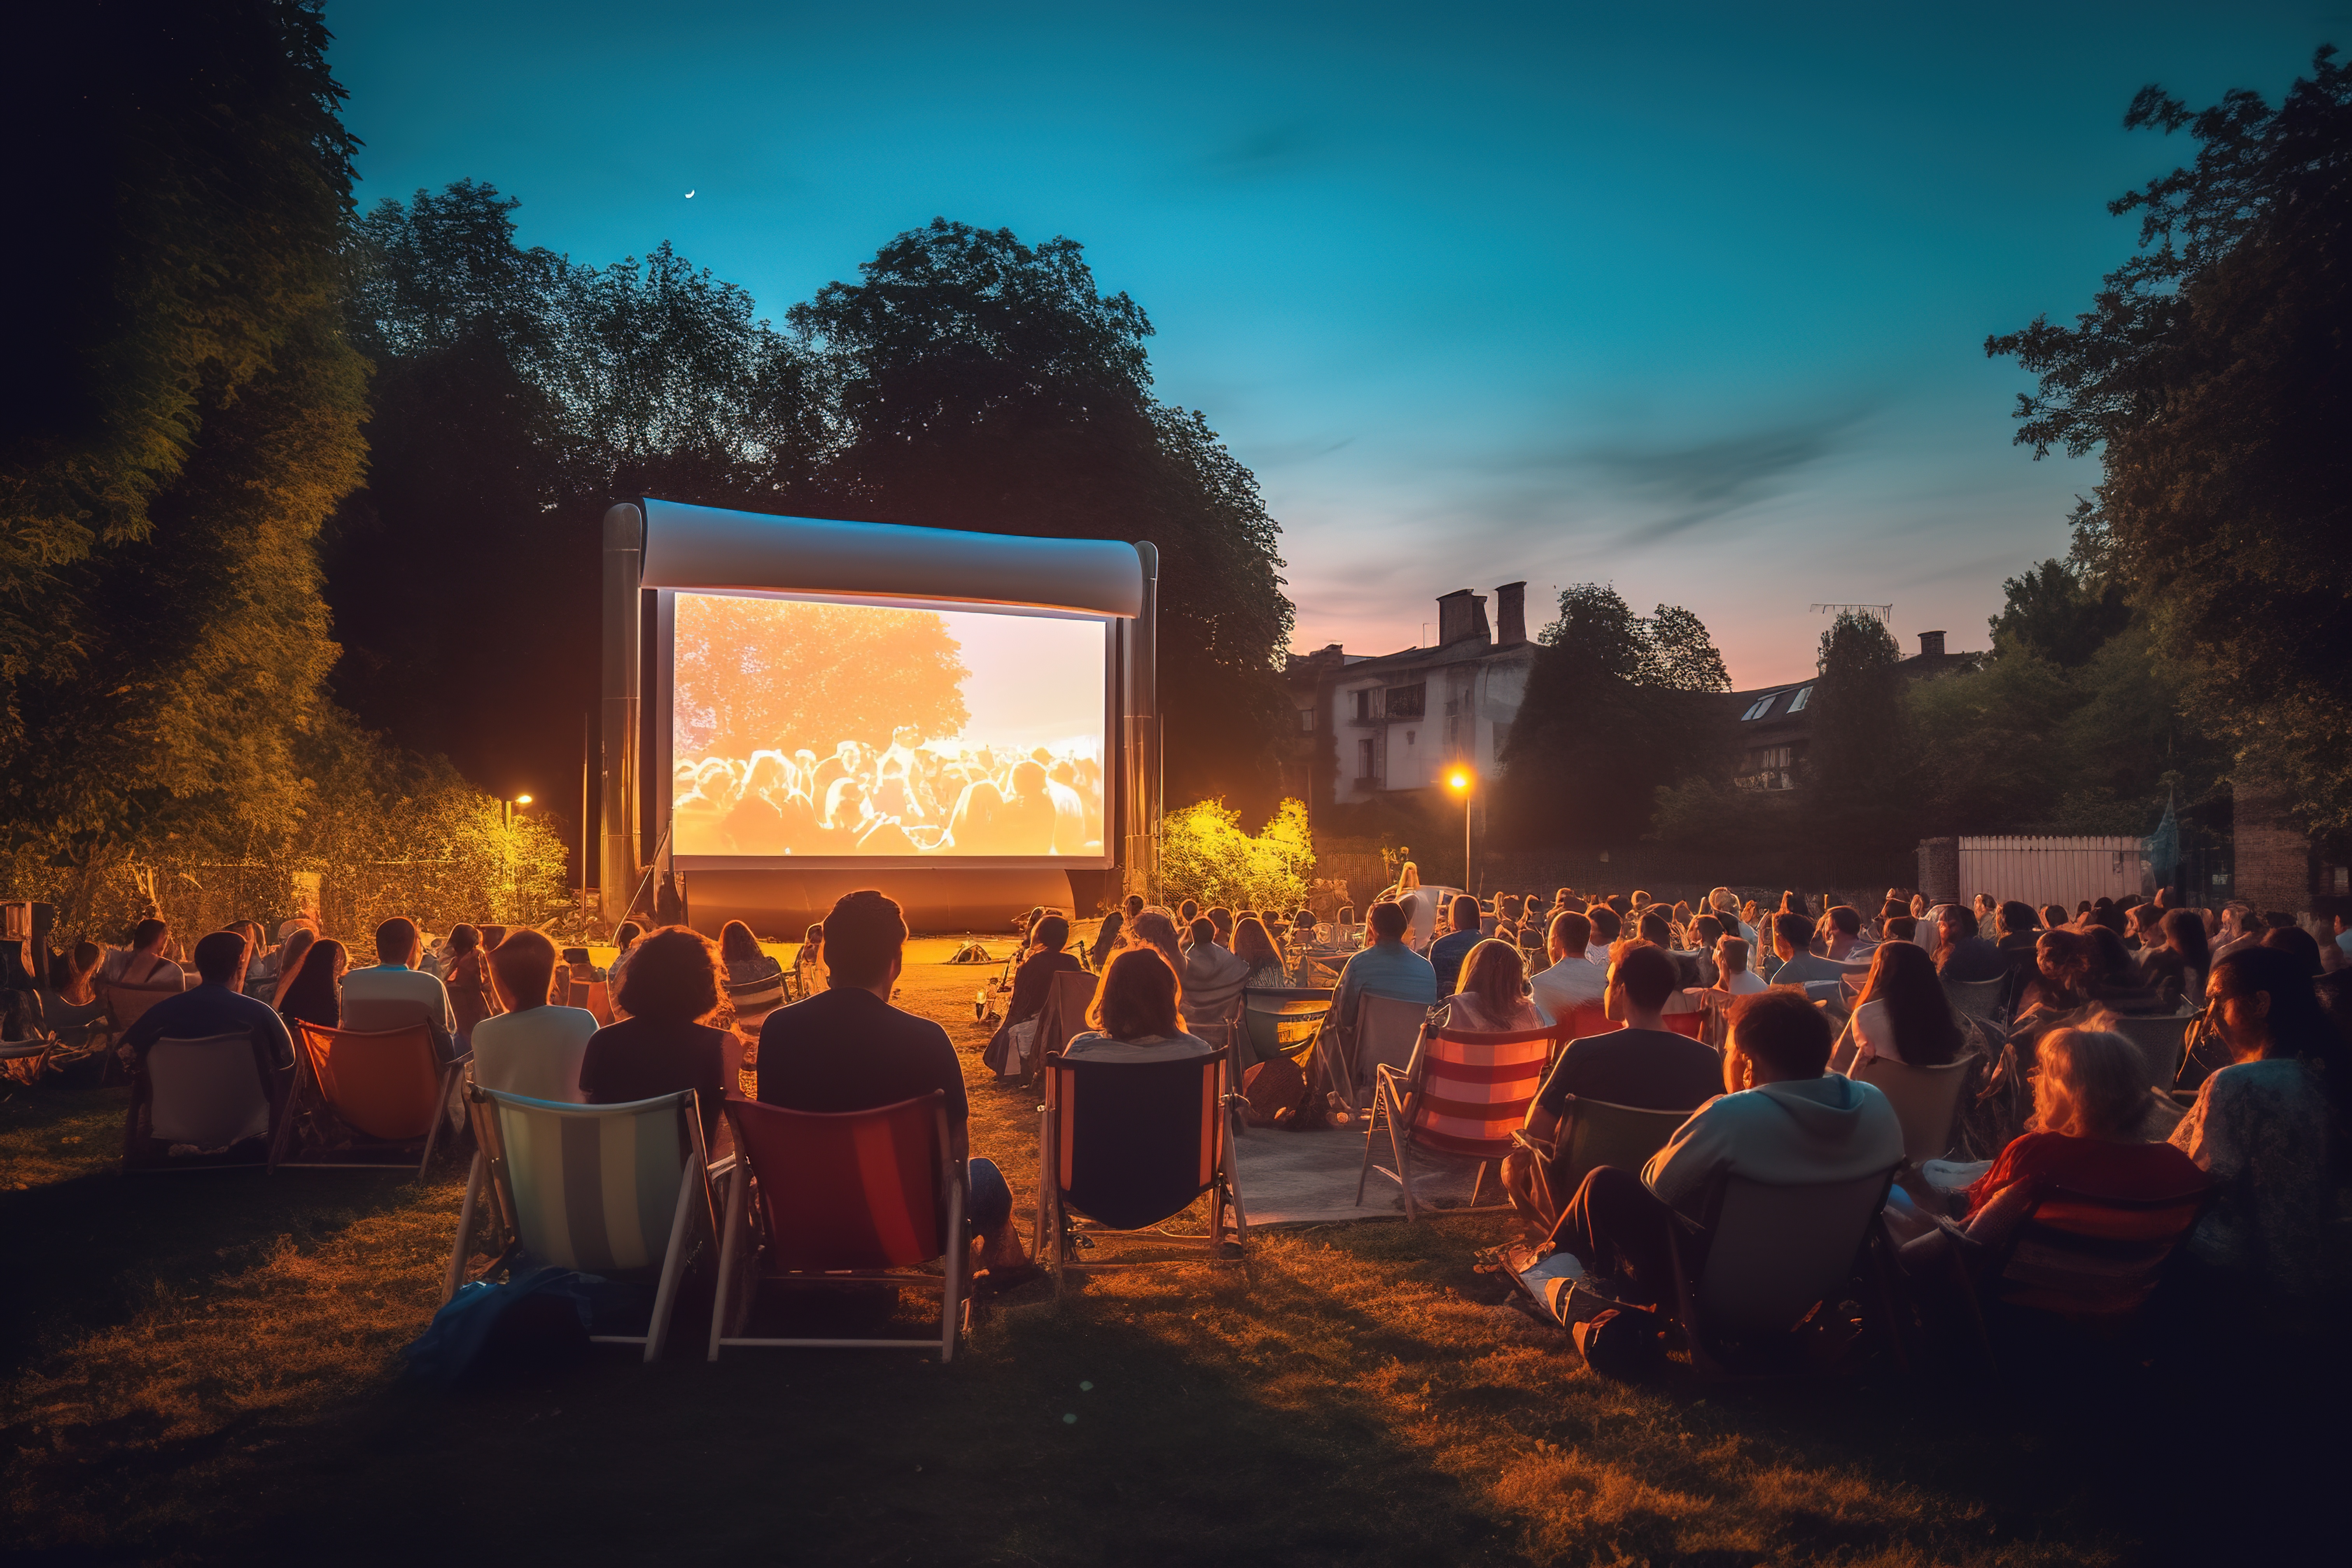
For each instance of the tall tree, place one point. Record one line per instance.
(1857, 744)
(1617, 706)
(168, 638)
(986, 384)
(2213, 374)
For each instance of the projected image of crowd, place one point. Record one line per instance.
(906, 798)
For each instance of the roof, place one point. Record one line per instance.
(1413, 660)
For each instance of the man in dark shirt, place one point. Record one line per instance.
(214, 1007)
(846, 1049)
(1644, 1064)
(1960, 952)
(1446, 953)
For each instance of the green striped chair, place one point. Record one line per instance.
(608, 1190)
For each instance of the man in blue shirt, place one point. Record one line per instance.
(1446, 953)
(1385, 968)
(214, 1007)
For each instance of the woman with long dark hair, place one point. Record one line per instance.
(289, 961)
(1254, 946)
(313, 993)
(2176, 960)
(1492, 997)
(2269, 1127)
(469, 984)
(1904, 1013)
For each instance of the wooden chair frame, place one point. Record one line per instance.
(741, 1226)
(305, 1074)
(1056, 1225)
(489, 1174)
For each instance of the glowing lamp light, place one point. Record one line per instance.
(1458, 780)
(522, 800)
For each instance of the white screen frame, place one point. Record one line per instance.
(657, 778)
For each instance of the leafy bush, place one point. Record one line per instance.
(1204, 854)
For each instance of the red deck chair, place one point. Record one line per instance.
(2088, 1262)
(364, 1100)
(1465, 1095)
(845, 1199)
(1586, 1018)
(1129, 1145)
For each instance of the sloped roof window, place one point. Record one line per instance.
(1761, 706)
(1796, 703)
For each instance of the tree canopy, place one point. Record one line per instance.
(2211, 374)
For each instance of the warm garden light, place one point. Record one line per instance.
(522, 800)
(1459, 780)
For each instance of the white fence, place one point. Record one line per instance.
(2039, 871)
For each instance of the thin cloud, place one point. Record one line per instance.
(1693, 486)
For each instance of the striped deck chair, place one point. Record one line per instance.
(609, 1190)
(2089, 1261)
(845, 1199)
(364, 1100)
(1127, 1146)
(1465, 1095)
(218, 1099)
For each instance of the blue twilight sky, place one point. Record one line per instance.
(1690, 302)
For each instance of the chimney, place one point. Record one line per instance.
(1511, 614)
(1931, 645)
(1460, 615)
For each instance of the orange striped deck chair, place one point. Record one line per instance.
(364, 1100)
(2094, 1259)
(609, 1190)
(1127, 1146)
(848, 1198)
(1464, 1096)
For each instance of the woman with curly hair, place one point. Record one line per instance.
(670, 990)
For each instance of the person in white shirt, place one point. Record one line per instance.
(532, 1048)
(395, 993)
(1731, 958)
(1573, 980)
(142, 963)
(1726, 909)
(1605, 923)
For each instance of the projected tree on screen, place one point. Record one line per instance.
(754, 673)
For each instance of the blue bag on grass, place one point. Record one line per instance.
(536, 1319)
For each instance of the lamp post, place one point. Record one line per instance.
(506, 808)
(1461, 781)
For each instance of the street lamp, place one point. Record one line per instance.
(1461, 782)
(506, 808)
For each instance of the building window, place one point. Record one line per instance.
(1364, 755)
(1365, 712)
(1761, 706)
(1796, 703)
(1306, 720)
(1405, 702)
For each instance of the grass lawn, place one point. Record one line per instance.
(203, 1369)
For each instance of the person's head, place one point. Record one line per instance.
(1777, 1036)
(2111, 962)
(2015, 919)
(735, 943)
(1409, 878)
(1462, 913)
(2165, 900)
(1705, 931)
(1570, 935)
(220, 958)
(1731, 954)
(1903, 978)
(1254, 944)
(1221, 921)
(1789, 903)
(295, 946)
(77, 969)
(865, 941)
(1134, 905)
(2262, 1002)
(1893, 909)
(2239, 919)
(1388, 921)
(523, 970)
(464, 939)
(1052, 934)
(1919, 906)
(2089, 1083)
(1189, 910)
(397, 941)
(2063, 957)
(1203, 932)
(672, 977)
(1641, 900)
(1496, 974)
(150, 935)
(1792, 933)
(1640, 978)
(1507, 907)
(1656, 929)
(2299, 944)
(1152, 929)
(1901, 927)
(2143, 923)
(1136, 999)
(2184, 933)
(1845, 920)
(2054, 916)
(626, 934)
(1954, 923)
(1606, 923)
(1723, 900)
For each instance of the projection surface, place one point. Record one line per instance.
(804, 729)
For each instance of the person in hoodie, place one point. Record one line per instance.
(1212, 980)
(1783, 1118)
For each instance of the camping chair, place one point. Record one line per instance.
(1465, 1095)
(1272, 1023)
(1129, 1145)
(1774, 1253)
(1594, 1132)
(845, 1199)
(753, 1000)
(1063, 1018)
(1385, 1033)
(125, 1004)
(2163, 1041)
(2084, 1262)
(213, 1095)
(389, 1087)
(601, 1189)
(1926, 1102)
(579, 986)
(1584, 1019)
(1977, 999)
